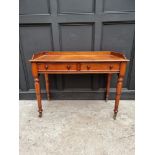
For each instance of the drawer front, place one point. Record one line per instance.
(100, 67)
(57, 67)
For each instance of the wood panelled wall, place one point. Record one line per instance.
(76, 25)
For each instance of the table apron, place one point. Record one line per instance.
(77, 72)
(78, 68)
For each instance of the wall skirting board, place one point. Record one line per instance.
(77, 95)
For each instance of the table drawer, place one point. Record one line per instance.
(100, 66)
(57, 67)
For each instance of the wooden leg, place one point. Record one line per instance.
(108, 86)
(118, 95)
(38, 95)
(47, 86)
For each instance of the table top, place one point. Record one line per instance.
(78, 56)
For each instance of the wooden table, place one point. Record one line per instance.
(79, 62)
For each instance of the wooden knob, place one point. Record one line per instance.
(46, 67)
(68, 67)
(110, 67)
(88, 67)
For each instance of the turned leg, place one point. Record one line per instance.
(108, 86)
(118, 95)
(38, 95)
(47, 86)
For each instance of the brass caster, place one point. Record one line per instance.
(114, 116)
(40, 114)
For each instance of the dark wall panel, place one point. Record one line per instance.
(76, 37)
(119, 5)
(118, 37)
(22, 77)
(77, 82)
(34, 6)
(76, 25)
(132, 77)
(131, 74)
(34, 38)
(76, 6)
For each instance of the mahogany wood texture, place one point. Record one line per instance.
(79, 62)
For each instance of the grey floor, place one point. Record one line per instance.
(76, 127)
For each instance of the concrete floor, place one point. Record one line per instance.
(76, 127)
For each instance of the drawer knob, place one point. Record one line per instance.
(46, 67)
(68, 67)
(110, 67)
(88, 67)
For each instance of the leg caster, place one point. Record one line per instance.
(106, 99)
(40, 114)
(115, 115)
